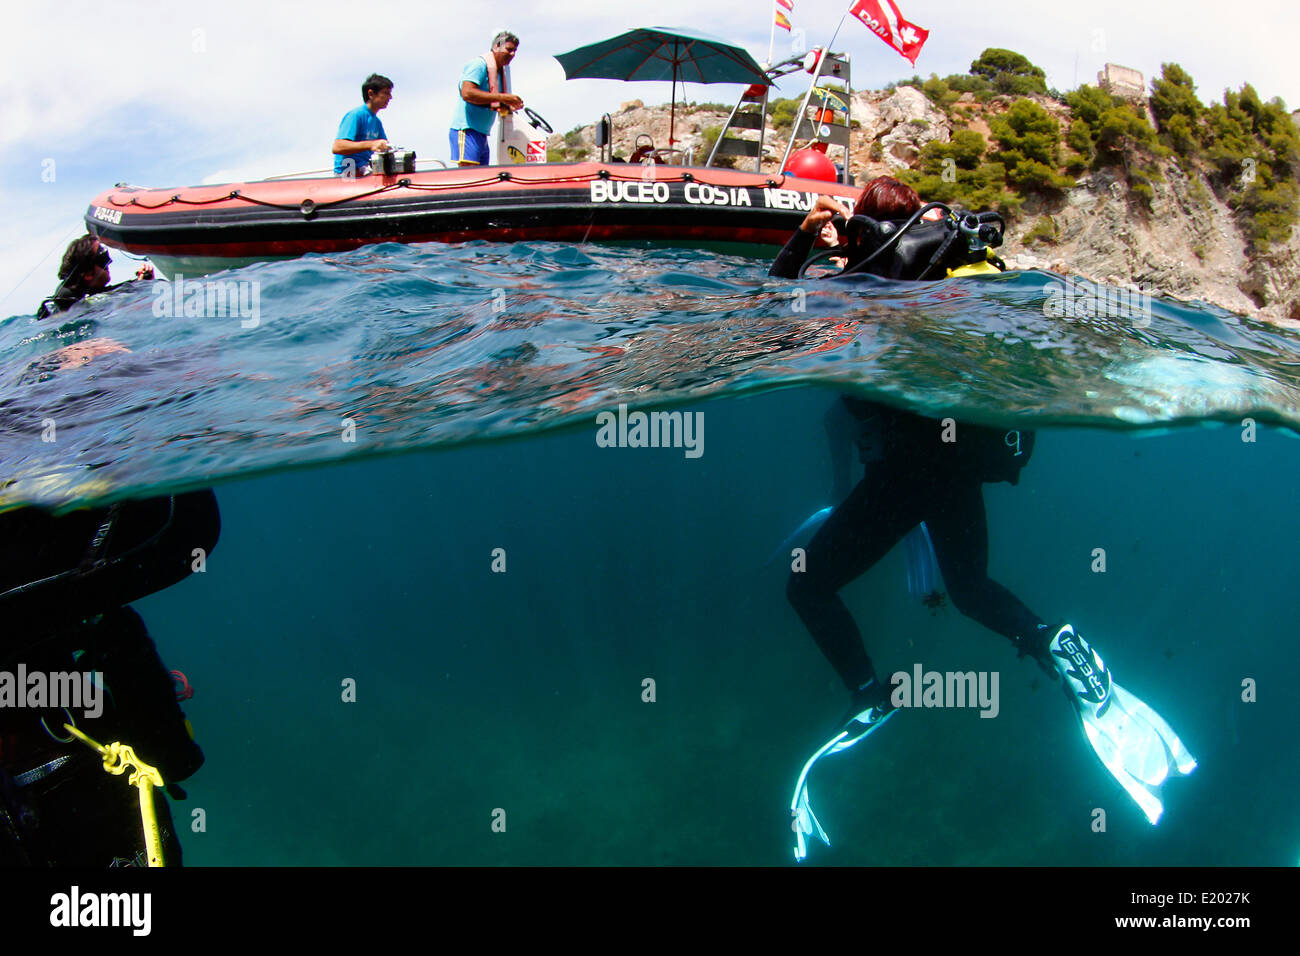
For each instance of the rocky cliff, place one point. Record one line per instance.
(1188, 244)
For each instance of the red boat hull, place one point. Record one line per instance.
(203, 228)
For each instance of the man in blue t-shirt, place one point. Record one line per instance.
(361, 133)
(483, 90)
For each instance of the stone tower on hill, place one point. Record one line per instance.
(1122, 81)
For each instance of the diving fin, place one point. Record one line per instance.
(857, 727)
(1132, 741)
(923, 577)
(811, 524)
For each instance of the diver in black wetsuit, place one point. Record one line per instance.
(917, 470)
(912, 475)
(64, 585)
(923, 470)
(83, 272)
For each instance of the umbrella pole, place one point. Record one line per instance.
(672, 110)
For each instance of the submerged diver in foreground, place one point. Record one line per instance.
(921, 473)
(66, 584)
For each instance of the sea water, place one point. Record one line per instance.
(446, 623)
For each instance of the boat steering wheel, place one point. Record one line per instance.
(538, 121)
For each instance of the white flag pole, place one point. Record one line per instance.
(771, 43)
(816, 75)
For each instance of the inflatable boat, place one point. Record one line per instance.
(195, 230)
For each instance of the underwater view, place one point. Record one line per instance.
(472, 603)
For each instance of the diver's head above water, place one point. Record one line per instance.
(887, 198)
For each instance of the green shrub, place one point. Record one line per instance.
(1088, 103)
(1075, 163)
(1026, 131)
(968, 83)
(1253, 148)
(1177, 110)
(1045, 231)
(1079, 139)
(566, 154)
(708, 137)
(1030, 174)
(783, 113)
(966, 149)
(980, 187)
(1009, 72)
(1123, 131)
(1196, 189)
(1029, 147)
(1115, 132)
(940, 93)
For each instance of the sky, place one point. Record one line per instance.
(180, 93)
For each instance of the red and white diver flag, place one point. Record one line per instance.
(883, 18)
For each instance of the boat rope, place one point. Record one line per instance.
(309, 206)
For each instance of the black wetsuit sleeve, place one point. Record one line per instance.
(795, 253)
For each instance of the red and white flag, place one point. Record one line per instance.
(788, 4)
(882, 17)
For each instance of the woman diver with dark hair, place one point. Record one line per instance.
(921, 476)
(928, 472)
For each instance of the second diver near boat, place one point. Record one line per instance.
(930, 473)
(84, 272)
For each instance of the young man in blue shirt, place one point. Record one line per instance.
(483, 85)
(361, 133)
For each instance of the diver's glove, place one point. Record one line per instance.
(1132, 741)
(867, 713)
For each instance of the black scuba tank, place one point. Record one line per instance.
(916, 249)
(985, 453)
(61, 569)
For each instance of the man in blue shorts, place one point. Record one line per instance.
(483, 90)
(361, 133)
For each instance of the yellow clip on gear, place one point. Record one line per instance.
(117, 758)
(975, 269)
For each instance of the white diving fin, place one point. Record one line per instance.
(1132, 741)
(803, 820)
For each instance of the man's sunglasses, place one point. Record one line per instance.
(100, 258)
